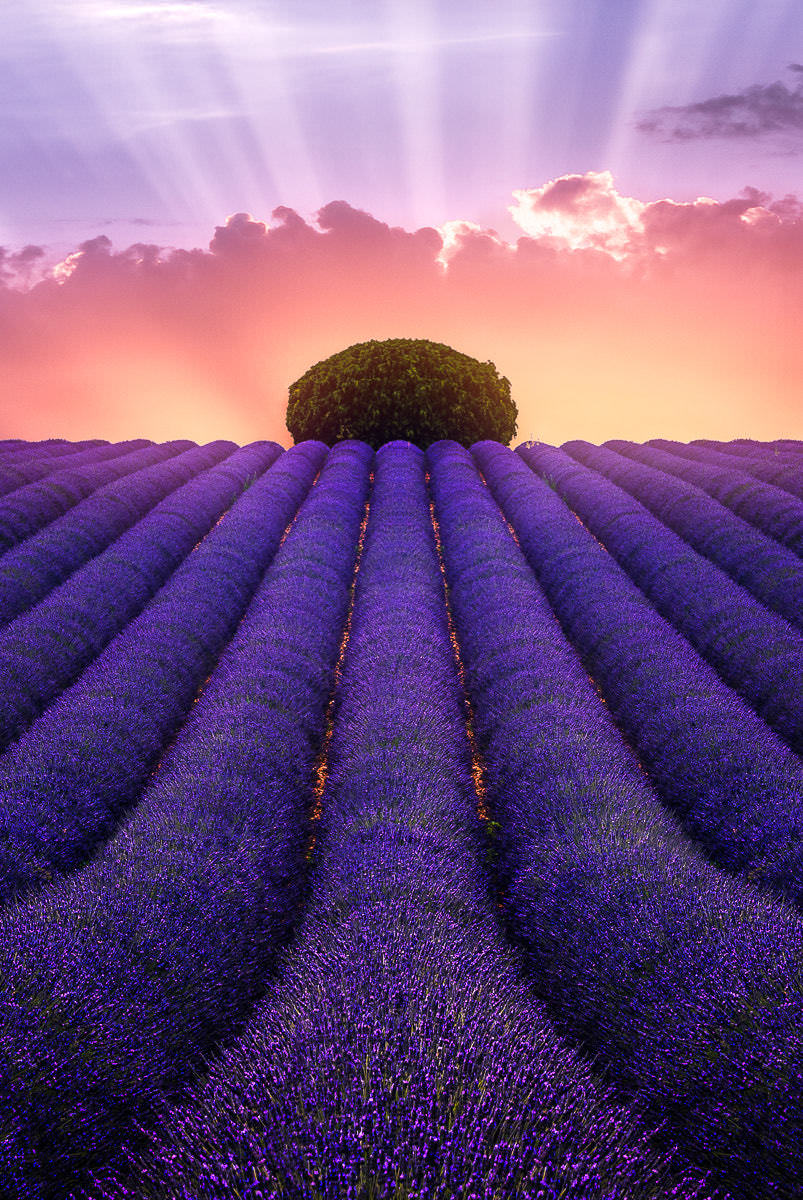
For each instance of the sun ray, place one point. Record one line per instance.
(195, 95)
(522, 69)
(132, 99)
(413, 35)
(677, 47)
(261, 75)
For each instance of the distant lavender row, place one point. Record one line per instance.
(754, 650)
(40, 563)
(779, 473)
(25, 511)
(17, 476)
(789, 451)
(770, 509)
(119, 980)
(730, 780)
(45, 649)
(21, 451)
(67, 782)
(682, 982)
(397, 1055)
(771, 573)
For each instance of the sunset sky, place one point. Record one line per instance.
(198, 200)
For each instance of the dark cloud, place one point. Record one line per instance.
(758, 111)
(18, 265)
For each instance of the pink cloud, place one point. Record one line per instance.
(611, 316)
(581, 212)
(18, 266)
(586, 212)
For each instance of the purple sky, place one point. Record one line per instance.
(201, 198)
(151, 121)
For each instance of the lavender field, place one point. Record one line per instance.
(401, 825)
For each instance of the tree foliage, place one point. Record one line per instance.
(403, 388)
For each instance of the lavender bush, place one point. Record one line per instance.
(18, 452)
(780, 471)
(787, 450)
(397, 1054)
(682, 982)
(120, 979)
(771, 573)
(755, 651)
(45, 649)
(770, 509)
(28, 509)
(732, 783)
(44, 560)
(15, 475)
(68, 780)
(374, 840)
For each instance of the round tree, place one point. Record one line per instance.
(404, 388)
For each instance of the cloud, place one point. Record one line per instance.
(586, 213)
(760, 110)
(580, 212)
(148, 222)
(18, 266)
(611, 316)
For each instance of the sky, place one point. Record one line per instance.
(198, 200)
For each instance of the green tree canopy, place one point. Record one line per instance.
(404, 388)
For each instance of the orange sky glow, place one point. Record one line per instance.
(612, 318)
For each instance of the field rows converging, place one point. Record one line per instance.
(25, 510)
(397, 1015)
(757, 652)
(401, 824)
(776, 467)
(728, 778)
(45, 559)
(769, 509)
(769, 571)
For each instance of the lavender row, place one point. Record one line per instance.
(781, 474)
(40, 563)
(22, 451)
(771, 573)
(66, 783)
(397, 1054)
(10, 447)
(120, 980)
(46, 648)
(788, 451)
(770, 509)
(756, 652)
(24, 512)
(682, 982)
(26, 506)
(731, 782)
(18, 475)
